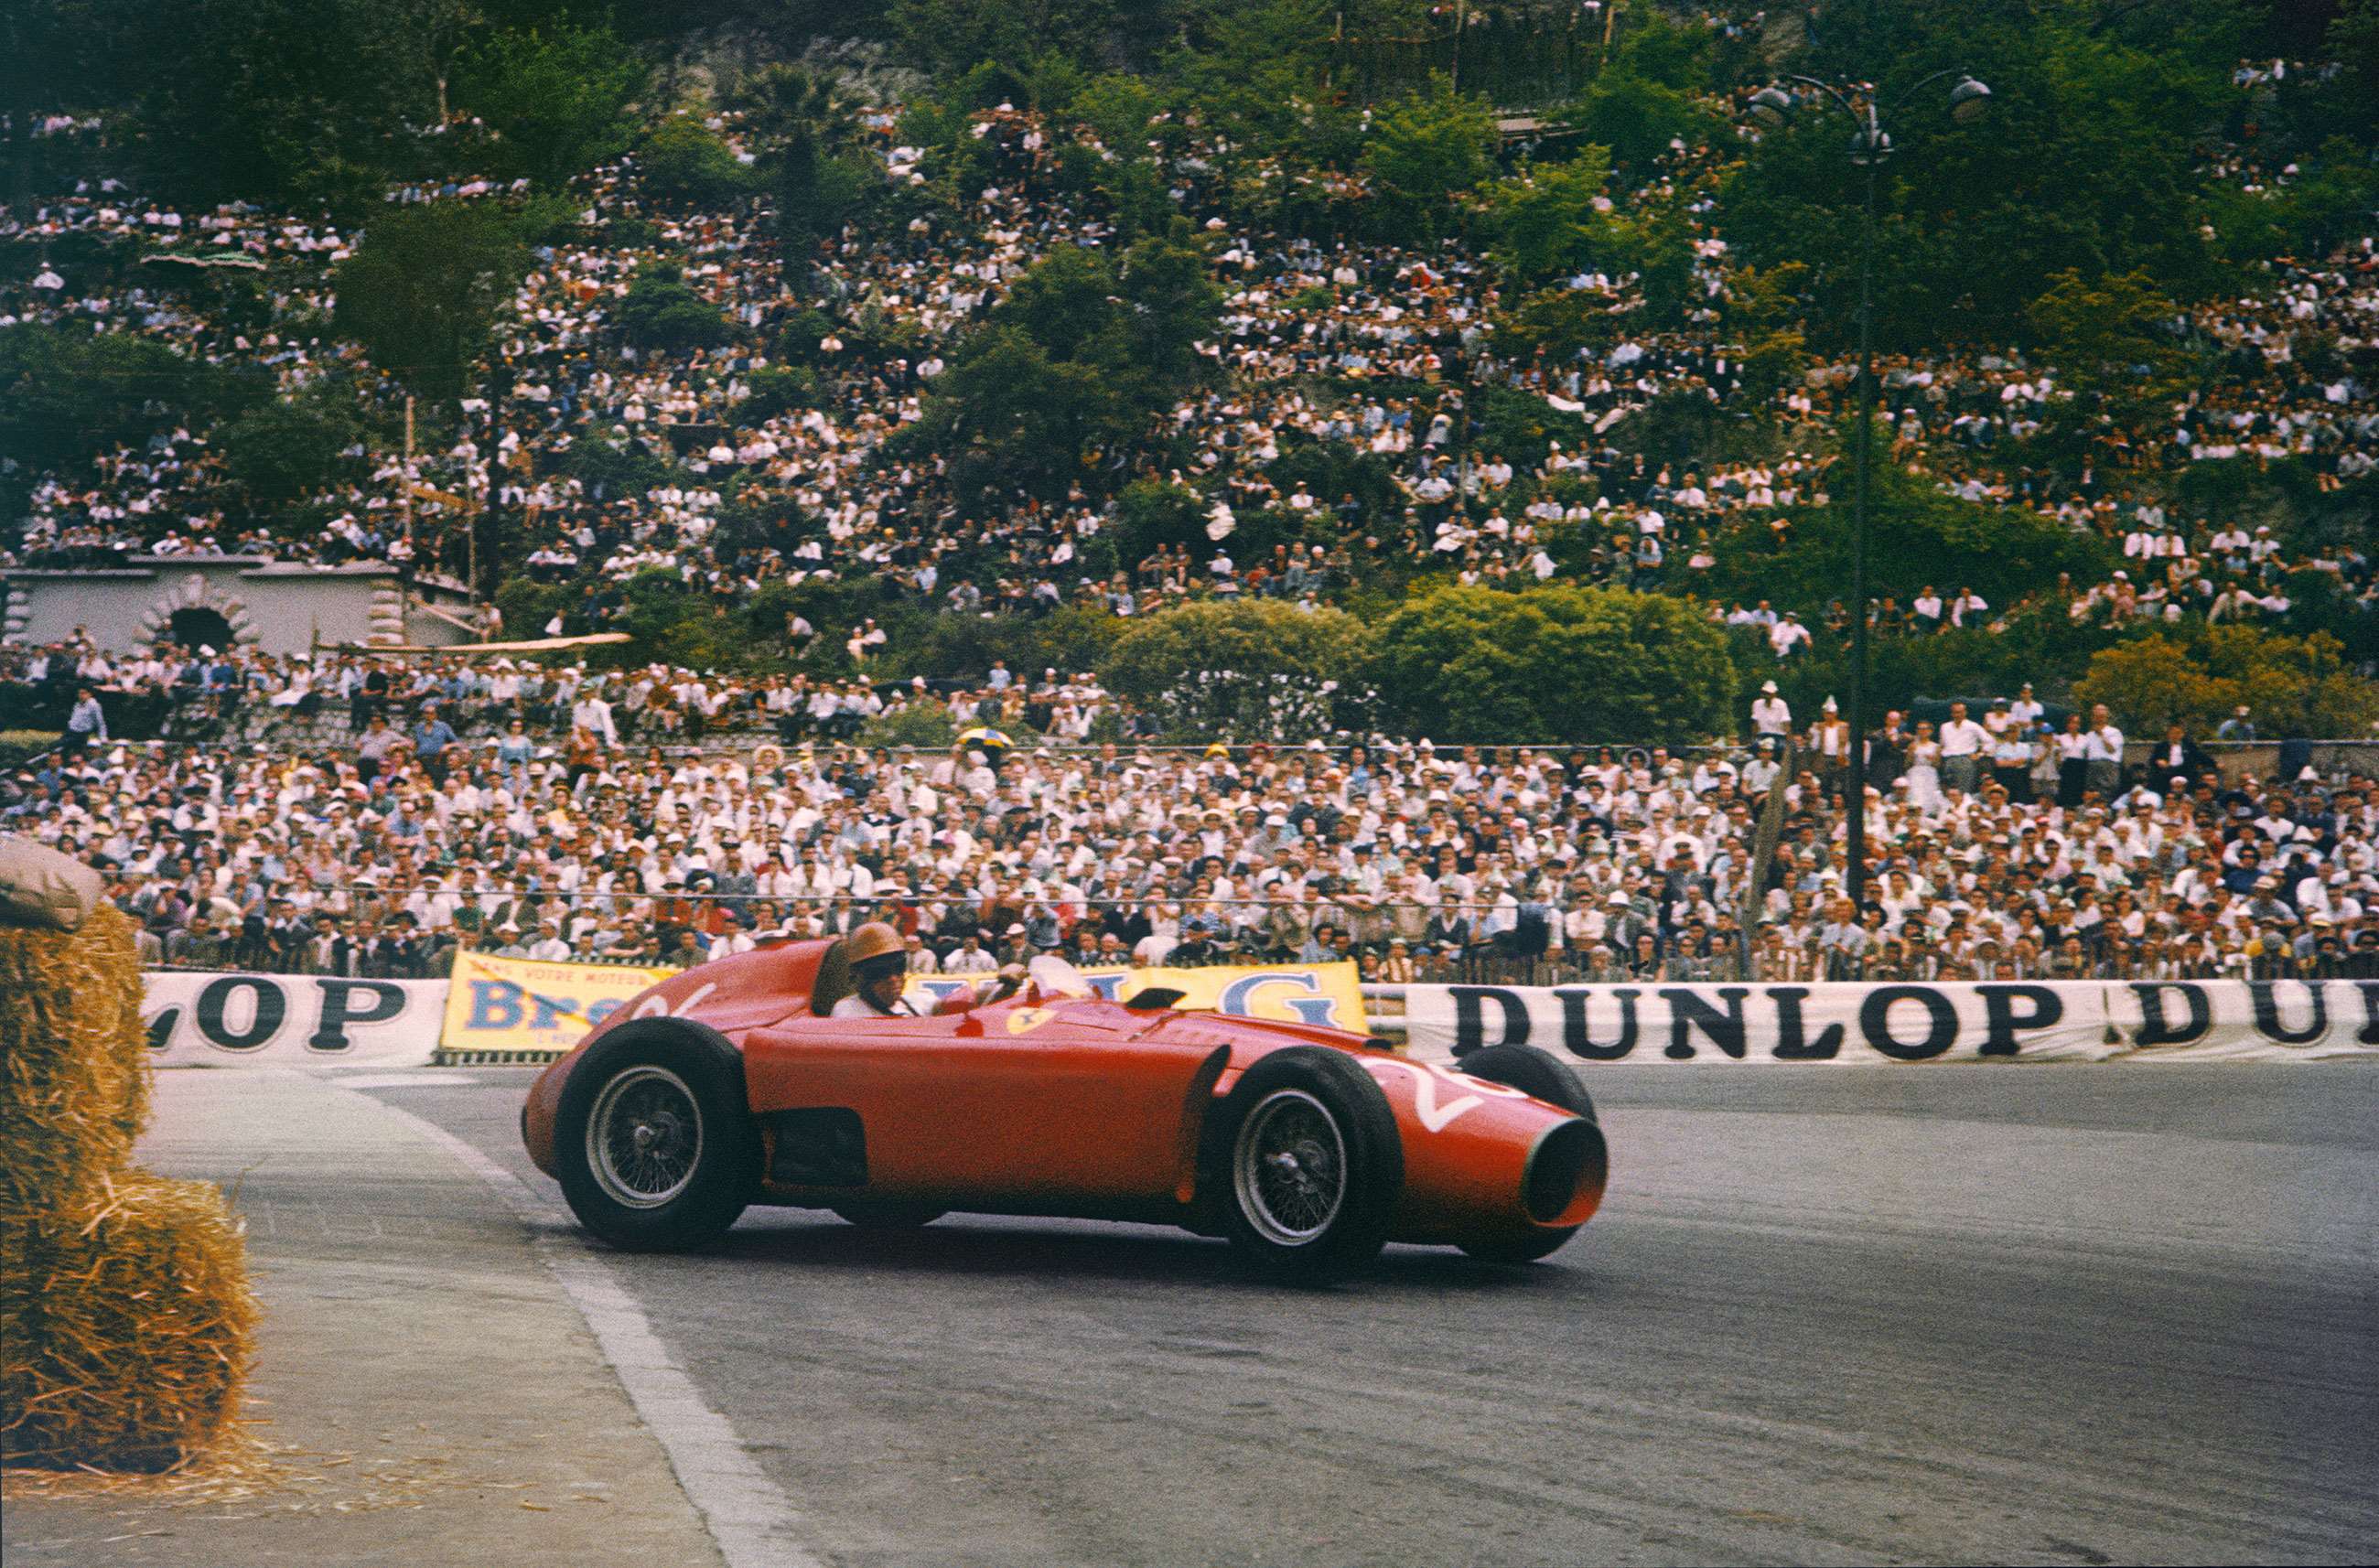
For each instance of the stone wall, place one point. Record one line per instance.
(281, 607)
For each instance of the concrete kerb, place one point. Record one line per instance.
(752, 1521)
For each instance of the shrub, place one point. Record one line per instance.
(1557, 663)
(1260, 670)
(2295, 685)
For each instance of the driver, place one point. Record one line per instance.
(879, 966)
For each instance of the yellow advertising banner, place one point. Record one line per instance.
(1327, 995)
(524, 1004)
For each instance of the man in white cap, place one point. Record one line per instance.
(1771, 715)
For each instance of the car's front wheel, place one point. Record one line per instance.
(654, 1137)
(1302, 1165)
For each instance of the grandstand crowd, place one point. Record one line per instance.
(374, 814)
(1383, 348)
(404, 809)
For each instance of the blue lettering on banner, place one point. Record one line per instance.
(495, 1004)
(1240, 995)
(551, 1010)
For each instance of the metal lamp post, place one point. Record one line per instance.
(1868, 148)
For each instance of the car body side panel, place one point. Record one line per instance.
(1079, 1107)
(1008, 1106)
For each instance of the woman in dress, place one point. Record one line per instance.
(1924, 773)
(2072, 761)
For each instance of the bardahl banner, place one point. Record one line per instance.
(523, 1005)
(2043, 1020)
(1327, 995)
(212, 1020)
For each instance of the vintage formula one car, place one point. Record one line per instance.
(1308, 1147)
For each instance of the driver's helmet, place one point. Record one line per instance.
(876, 939)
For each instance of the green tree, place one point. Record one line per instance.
(1917, 535)
(556, 97)
(421, 291)
(1637, 116)
(1074, 362)
(2294, 685)
(289, 449)
(1554, 663)
(1968, 222)
(1259, 669)
(66, 396)
(948, 36)
(1546, 220)
(681, 162)
(256, 99)
(2114, 342)
(661, 313)
(1423, 150)
(805, 121)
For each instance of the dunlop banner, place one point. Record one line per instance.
(1327, 995)
(2043, 1020)
(216, 1021)
(525, 1004)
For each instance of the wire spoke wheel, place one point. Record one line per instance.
(644, 1138)
(1289, 1167)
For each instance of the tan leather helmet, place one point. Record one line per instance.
(874, 940)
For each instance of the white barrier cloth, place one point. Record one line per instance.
(213, 1021)
(1913, 1022)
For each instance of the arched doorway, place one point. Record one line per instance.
(196, 626)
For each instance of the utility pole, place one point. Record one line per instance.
(403, 577)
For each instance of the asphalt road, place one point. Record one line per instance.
(2059, 1313)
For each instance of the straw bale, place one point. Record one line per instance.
(74, 1067)
(124, 1326)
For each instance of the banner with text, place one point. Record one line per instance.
(2042, 1020)
(212, 1020)
(1327, 995)
(525, 1004)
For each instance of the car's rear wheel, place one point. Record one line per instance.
(884, 1213)
(1541, 1076)
(654, 1139)
(1301, 1165)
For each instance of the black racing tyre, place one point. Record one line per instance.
(1301, 1165)
(654, 1140)
(1543, 1076)
(888, 1213)
(1537, 1074)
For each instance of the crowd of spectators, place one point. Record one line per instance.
(451, 806)
(372, 813)
(1386, 349)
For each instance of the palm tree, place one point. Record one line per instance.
(799, 119)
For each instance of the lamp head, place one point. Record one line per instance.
(1870, 145)
(1969, 100)
(1771, 106)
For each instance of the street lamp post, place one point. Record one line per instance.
(1869, 147)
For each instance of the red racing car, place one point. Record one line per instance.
(1307, 1148)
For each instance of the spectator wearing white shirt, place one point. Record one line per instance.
(1963, 744)
(2104, 753)
(1771, 715)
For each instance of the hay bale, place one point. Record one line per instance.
(124, 1326)
(73, 1061)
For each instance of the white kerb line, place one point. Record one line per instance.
(748, 1516)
